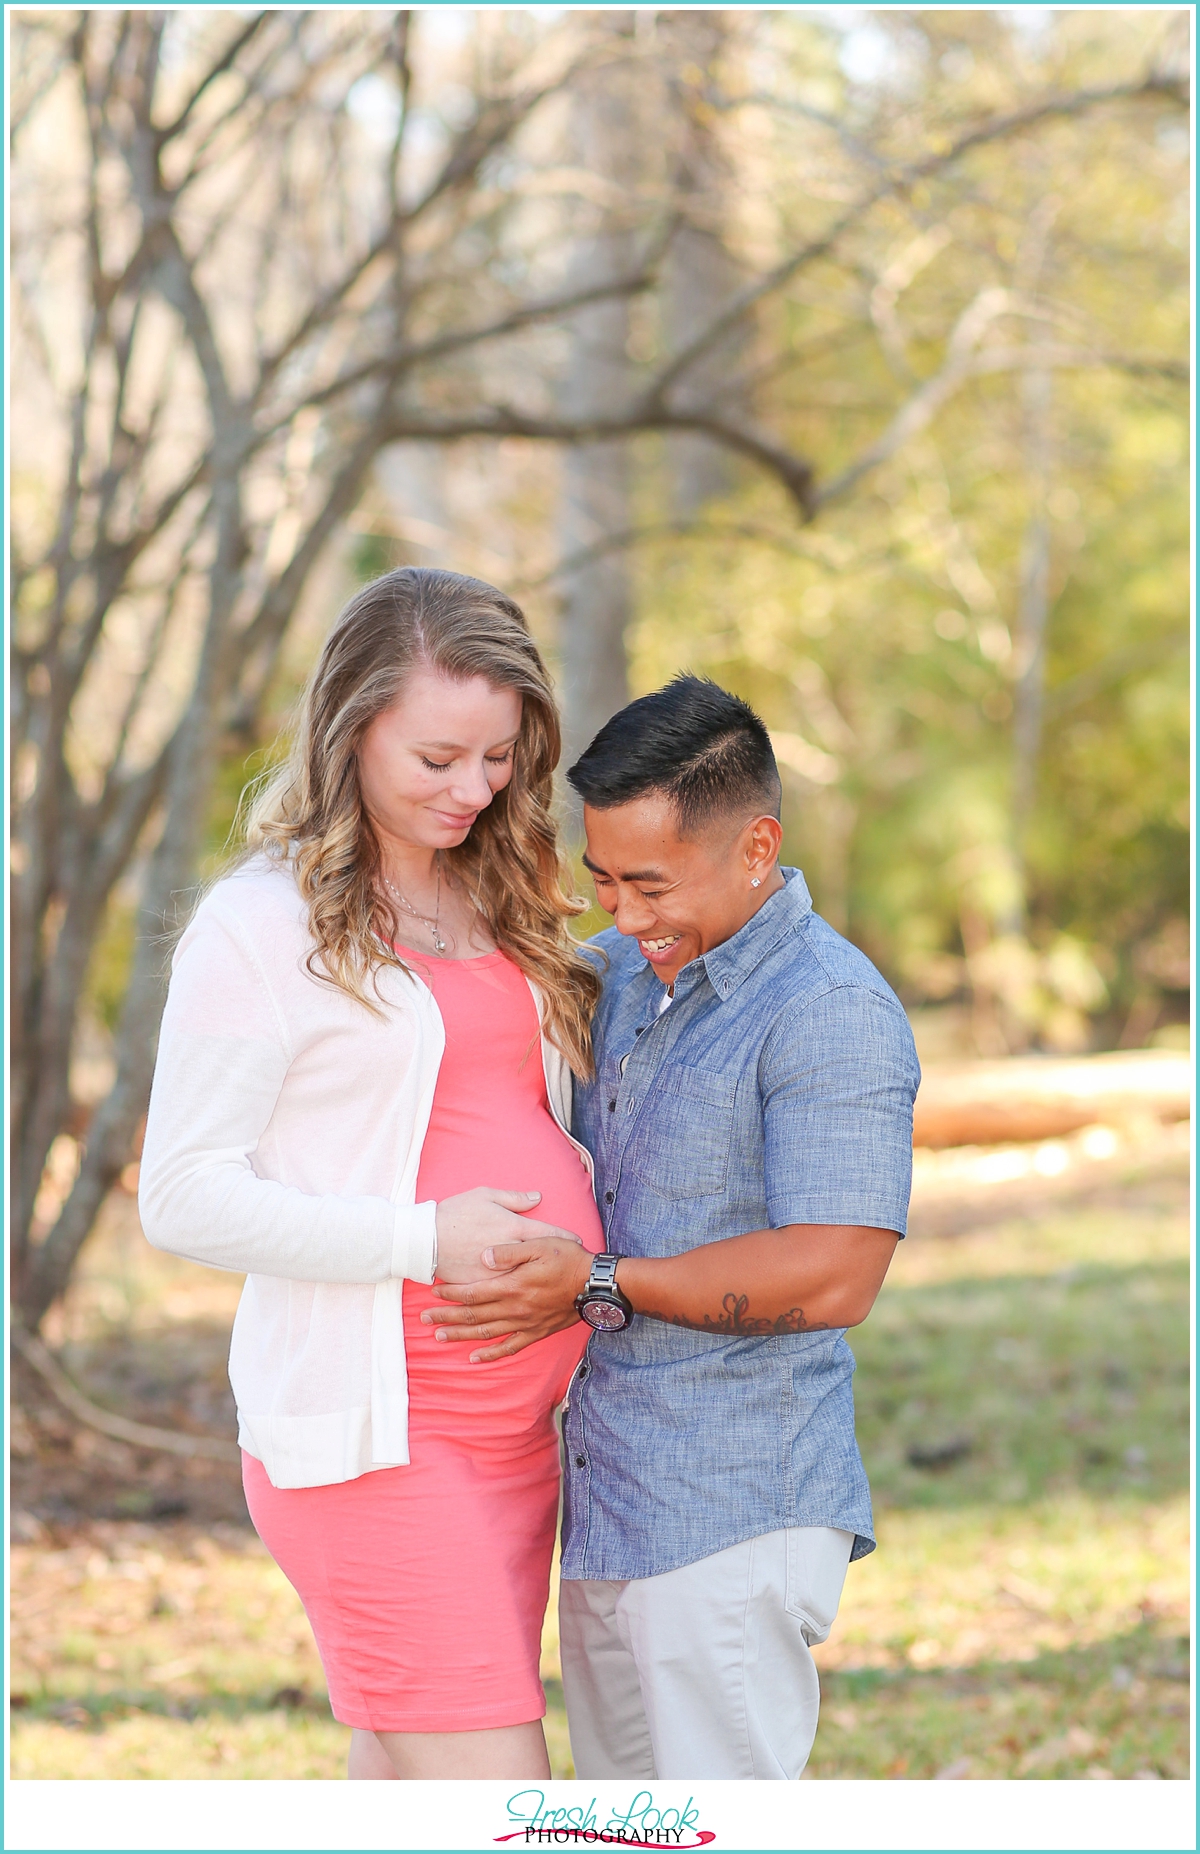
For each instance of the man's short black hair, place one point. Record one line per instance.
(702, 748)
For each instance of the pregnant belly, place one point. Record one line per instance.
(507, 1402)
(522, 1151)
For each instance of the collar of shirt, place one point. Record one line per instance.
(727, 966)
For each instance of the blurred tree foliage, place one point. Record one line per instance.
(884, 645)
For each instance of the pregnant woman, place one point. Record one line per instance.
(363, 1081)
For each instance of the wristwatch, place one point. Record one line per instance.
(602, 1303)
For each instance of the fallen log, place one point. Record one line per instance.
(1042, 1097)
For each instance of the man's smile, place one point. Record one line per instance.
(657, 950)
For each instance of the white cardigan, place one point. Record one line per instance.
(284, 1134)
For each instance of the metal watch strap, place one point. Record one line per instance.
(604, 1273)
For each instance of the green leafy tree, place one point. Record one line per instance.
(975, 660)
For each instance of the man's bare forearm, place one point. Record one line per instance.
(736, 1317)
(803, 1278)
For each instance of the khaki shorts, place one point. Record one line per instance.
(704, 1671)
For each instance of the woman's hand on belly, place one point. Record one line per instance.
(477, 1220)
(527, 1297)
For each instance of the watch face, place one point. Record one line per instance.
(604, 1315)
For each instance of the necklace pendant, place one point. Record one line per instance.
(439, 945)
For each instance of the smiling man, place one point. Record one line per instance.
(751, 1124)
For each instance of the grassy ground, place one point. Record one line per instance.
(1024, 1617)
(1026, 1613)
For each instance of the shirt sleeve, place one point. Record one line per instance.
(222, 1060)
(838, 1078)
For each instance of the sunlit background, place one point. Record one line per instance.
(839, 355)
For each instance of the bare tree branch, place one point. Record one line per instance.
(794, 473)
(797, 544)
(405, 359)
(900, 180)
(224, 63)
(107, 1422)
(963, 363)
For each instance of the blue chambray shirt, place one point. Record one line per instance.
(777, 1088)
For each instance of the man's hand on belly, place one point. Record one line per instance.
(531, 1295)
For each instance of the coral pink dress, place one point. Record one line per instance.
(426, 1585)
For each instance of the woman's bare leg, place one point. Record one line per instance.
(368, 1758)
(505, 1751)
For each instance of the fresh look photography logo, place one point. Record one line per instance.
(644, 1822)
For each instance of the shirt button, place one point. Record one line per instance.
(581, 1461)
(612, 1106)
(608, 1197)
(583, 1371)
(639, 1030)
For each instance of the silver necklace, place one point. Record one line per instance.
(439, 945)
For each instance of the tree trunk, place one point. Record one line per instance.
(1033, 607)
(701, 276)
(190, 768)
(595, 496)
(1033, 597)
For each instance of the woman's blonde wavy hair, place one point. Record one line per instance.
(310, 812)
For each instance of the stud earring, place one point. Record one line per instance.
(756, 881)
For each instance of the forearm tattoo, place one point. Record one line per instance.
(736, 1319)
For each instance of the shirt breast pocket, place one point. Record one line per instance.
(680, 1147)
